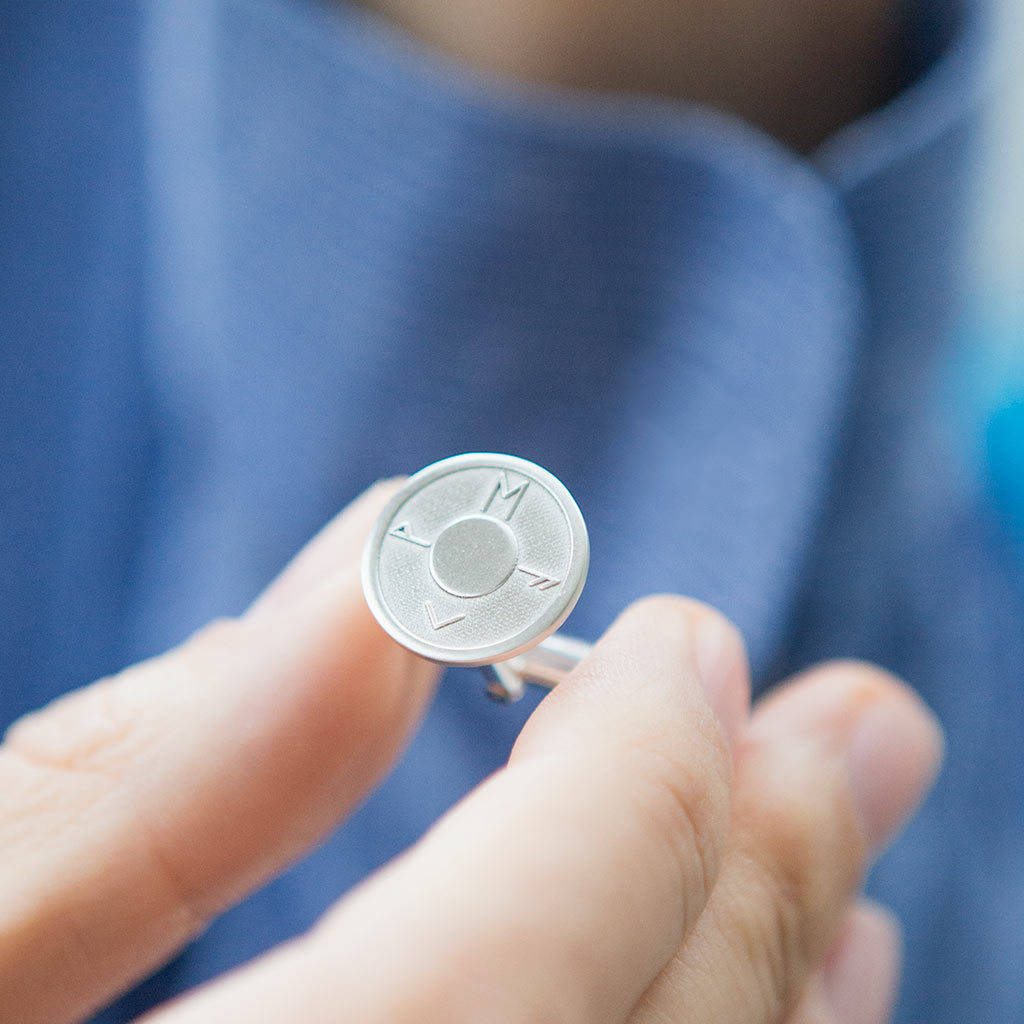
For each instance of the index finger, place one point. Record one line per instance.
(134, 810)
(562, 886)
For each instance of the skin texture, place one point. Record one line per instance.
(797, 68)
(651, 853)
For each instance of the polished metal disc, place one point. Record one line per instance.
(476, 559)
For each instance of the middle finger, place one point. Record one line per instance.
(830, 767)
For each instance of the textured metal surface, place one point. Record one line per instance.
(477, 559)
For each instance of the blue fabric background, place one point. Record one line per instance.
(255, 255)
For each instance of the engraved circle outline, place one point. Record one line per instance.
(539, 628)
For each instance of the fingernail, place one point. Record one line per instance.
(722, 666)
(860, 978)
(895, 753)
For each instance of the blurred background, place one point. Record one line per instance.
(992, 368)
(255, 254)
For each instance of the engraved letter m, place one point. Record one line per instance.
(508, 493)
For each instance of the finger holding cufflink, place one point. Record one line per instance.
(478, 560)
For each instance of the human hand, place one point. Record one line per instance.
(601, 876)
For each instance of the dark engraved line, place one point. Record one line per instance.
(402, 532)
(540, 581)
(436, 622)
(507, 492)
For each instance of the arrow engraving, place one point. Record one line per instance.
(435, 622)
(402, 531)
(539, 580)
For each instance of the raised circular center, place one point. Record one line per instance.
(474, 556)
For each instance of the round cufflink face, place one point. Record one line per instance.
(476, 559)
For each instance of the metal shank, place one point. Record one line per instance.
(547, 664)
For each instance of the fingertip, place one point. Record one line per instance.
(890, 741)
(721, 658)
(895, 756)
(877, 924)
(338, 545)
(711, 645)
(861, 974)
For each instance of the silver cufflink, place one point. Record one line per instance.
(478, 560)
